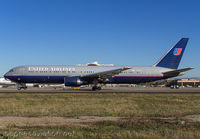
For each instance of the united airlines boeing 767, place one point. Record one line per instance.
(97, 76)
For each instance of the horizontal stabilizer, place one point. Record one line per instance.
(176, 72)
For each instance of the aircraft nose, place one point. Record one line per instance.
(6, 75)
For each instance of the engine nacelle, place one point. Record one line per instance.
(73, 81)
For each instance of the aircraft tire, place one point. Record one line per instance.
(94, 88)
(99, 88)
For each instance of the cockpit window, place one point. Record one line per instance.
(11, 70)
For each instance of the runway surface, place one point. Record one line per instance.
(106, 90)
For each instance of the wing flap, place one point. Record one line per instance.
(104, 75)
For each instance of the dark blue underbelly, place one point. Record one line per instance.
(60, 79)
(37, 79)
(133, 80)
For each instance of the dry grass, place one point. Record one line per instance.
(143, 113)
(67, 105)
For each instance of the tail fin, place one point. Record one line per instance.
(173, 57)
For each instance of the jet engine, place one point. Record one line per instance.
(73, 81)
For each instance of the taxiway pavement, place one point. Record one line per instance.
(155, 90)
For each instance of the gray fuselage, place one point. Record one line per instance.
(57, 74)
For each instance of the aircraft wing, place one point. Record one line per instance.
(176, 72)
(102, 76)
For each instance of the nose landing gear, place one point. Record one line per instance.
(21, 86)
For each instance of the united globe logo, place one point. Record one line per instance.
(177, 51)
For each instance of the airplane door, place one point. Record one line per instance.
(21, 71)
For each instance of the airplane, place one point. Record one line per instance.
(97, 76)
(6, 83)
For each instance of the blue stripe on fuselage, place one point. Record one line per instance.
(37, 79)
(60, 79)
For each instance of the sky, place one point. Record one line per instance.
(119, 32)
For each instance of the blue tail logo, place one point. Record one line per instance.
(177, 51)
(173, 57)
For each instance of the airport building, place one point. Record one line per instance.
(188, 82)
(184, 83)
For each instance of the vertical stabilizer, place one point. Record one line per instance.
(173, 57)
